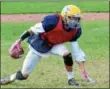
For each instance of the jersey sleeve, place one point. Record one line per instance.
(77, 53)
(37, 28)
(49, 22)
(78, 34)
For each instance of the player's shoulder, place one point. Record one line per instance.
(51, 17)
(50, 21)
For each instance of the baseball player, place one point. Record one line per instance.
(48, 37)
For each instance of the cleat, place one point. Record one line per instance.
(72, 82)
(91, 81)
(6, 80)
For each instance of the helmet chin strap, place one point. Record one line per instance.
(66, 22)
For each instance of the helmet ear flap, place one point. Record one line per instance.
(65, 18)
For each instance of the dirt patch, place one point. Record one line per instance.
(39, 17)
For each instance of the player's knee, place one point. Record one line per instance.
(80, 60)
(21, 76)
(68, 59)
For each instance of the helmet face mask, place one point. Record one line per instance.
(73, 22)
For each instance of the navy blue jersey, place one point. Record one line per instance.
(49, 23)
(38, 44)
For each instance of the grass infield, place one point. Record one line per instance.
(50, 72)
(51, 7)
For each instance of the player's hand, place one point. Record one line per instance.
(16, 51)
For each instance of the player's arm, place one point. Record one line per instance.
(77, 52)
(36, 29)
(46, 25)
(25, 35)
(16, 49)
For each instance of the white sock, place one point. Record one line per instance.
(70, 75)
(13, 77)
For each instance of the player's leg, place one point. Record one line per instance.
(62, 51)
(84, 72)
(29, 63)
(79, 56)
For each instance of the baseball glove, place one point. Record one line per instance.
(16, 51)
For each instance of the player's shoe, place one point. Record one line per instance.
(72, 82)
(91, 81)
(6, 80)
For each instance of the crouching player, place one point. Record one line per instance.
(48, 37)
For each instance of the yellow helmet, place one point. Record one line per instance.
(71, 10)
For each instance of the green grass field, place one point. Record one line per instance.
(50, 7)
(50, 73)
